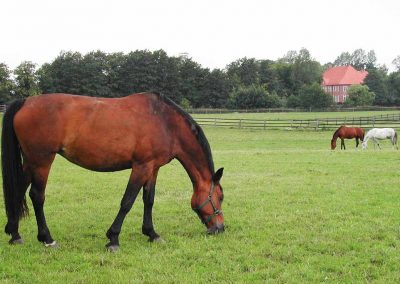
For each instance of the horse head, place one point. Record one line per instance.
(207, 202)
(364, 145)
(333, 144)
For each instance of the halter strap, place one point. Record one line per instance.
(205, 202)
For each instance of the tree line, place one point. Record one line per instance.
(291, 81)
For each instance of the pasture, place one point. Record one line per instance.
(295, 211)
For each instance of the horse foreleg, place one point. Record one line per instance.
(342, 146)
(37, 195)
(148, 201)
(376, 142)
(136, 181)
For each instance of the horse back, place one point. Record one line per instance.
(96, 133)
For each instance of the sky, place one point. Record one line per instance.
(214, 33)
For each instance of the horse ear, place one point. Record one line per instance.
(217, 176)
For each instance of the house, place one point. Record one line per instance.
(337, 80)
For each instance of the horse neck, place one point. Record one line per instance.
(194, 158)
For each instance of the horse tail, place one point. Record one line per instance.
(395, 138)
(13, 176)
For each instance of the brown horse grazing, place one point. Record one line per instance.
(344, 132)
(141, 132)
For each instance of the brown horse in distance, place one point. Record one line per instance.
(141, 132)
(344, 132)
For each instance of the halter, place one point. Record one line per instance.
(208, 200)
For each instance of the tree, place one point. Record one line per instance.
(376, 81)
(191, 82)
(253, 96)
(301, 69)
(7, 86)
(95, 70)
(63, 75)
(359, 59)
(359, 95)
(243, 71)
(396, 62)
(394, 87)
(216, 89)
(313, 96)
(26, 80)
(343, 59)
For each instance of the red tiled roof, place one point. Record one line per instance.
(343, 75)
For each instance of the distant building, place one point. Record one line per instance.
(337, 80)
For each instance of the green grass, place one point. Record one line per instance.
(295, 115)
(294, 212)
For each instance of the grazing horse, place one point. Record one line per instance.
(376, 134)
(141, 132)
(344, 132)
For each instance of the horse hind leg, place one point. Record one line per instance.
(148, 201)
(37, 195)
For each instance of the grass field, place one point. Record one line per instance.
(294, 212)
(295, 115)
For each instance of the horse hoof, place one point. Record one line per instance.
(112, 248)
(16, 242)
(157, 240)
(51, 245)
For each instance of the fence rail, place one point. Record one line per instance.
(389, 120)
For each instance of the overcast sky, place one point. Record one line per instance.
(213, 32)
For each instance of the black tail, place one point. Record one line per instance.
(14, 185)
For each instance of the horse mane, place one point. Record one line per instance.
(193, 125)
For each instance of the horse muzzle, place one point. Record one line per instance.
(218, 228)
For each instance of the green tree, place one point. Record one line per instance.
(293, 101)
(376, 81)
(7, 85)
(396, 63)
(95, 70)
(253, 96)
(297, 69)
(359, 95)
(359, 59)
(243, 71)
(394, 88)
(313, 96)
(26, 80)
(343, 59)
(216, 89)
(64, 75)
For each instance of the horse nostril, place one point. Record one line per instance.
(219, 228)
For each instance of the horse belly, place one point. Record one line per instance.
(97, 154)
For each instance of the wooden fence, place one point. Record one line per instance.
(387, 120)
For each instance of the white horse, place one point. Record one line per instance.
(376, 134)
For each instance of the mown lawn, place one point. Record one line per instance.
(296, 115)
(295, 212)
